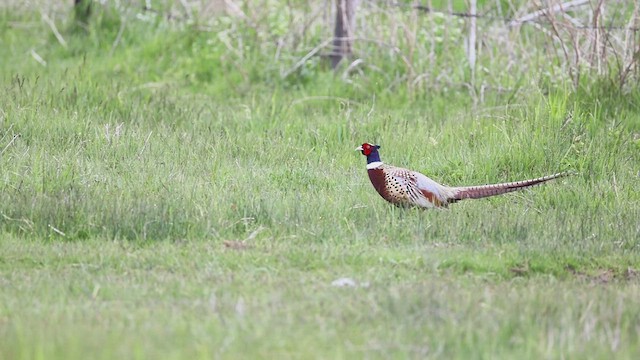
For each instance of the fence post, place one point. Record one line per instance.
(471, 43)
(344, 30)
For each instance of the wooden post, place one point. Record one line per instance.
(471, 43)
(344, 30)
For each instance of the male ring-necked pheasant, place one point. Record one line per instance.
(406, 188)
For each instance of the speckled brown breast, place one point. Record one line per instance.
(389, 187)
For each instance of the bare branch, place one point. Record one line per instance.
(536, 14)
(54, 29)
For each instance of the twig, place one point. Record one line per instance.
(575, 22)
(116, 42)
(536, 14)
(38, 58)
(254, 233)
(304, 59)
(10, 142)
(57, 231)
(53, 27)
(146, 142)
(352, 66)
(6, 132)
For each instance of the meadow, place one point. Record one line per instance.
(188, 188)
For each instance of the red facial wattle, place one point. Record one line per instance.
(366, 149)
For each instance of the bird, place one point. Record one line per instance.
(406, 188)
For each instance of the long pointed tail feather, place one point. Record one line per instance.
(482, 191)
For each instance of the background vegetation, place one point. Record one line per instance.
(178, 180)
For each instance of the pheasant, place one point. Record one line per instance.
(406, 188)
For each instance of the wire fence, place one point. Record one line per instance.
(533, 18)
(578, 36)
(567, 39)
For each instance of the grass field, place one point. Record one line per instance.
(163, 196)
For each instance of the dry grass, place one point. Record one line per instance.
(419, 48)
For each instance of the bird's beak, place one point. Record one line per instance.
(359, 148)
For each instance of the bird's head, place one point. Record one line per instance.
(370, 151)
(367, 149)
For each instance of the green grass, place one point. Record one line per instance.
(162, 201)
(197, 299)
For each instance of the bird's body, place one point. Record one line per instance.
(407, 188)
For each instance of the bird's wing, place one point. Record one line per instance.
(436, 193)
(415, 188)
